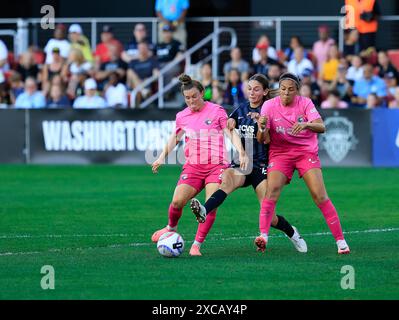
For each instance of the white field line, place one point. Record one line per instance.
(143, 244)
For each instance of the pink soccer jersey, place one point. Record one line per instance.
(280, 122)
(204, 134)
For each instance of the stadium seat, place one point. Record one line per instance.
(394, 57)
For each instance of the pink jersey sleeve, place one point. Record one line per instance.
(178, 127)
(265, 112)
(311, 111)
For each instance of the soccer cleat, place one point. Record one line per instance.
(198, 209)
(195, 250)
(260, 242)
(299, 243)
(343, 247)
(157, 234)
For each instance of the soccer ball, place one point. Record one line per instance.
(170, 244)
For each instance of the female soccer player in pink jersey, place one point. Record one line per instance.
(243, 118)
(204, 125)
(293, 123)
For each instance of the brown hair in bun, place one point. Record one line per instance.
(187, 83)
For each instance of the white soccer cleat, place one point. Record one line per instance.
(199, 210)
(343, 247)
(298, 242)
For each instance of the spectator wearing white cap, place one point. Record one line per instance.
(90, 100)
(79, 41)
(59, 41)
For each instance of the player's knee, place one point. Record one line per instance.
(227, 184)
(319, 198)
(273, 192)
(178, 203)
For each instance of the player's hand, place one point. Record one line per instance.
(231, 124)
(244, 160)
(262, 120)
(254, 115)
(298, 127)
(156, 164)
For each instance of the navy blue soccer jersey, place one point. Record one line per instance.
(247, 129)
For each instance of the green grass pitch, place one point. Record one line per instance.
(93, 225)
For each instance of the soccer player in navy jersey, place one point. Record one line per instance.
(244, 118)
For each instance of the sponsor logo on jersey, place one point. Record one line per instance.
(247, 131)
(280, 129)
(339, 138)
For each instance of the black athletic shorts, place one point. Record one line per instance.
(258, 174)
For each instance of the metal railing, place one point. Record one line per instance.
(277, 23)
(13, 34)
(186, 57)
(279, 29)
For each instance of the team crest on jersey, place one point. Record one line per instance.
(208, 121)
(301, 119)
(339, 138)
(184, 177)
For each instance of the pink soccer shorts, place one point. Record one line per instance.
(198, 176)
(287, 164)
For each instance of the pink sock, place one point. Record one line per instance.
(331, 216)
(266, 215)
(203, 228)
(174, 216)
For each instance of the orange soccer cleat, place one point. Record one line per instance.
(195, 250)
(157, 234)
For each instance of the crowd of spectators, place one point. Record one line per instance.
(351, 78)
(69, 73)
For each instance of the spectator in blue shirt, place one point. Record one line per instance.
(57, 97)
(234, 94)
(173, 12)
(31, 98)
(368, 84)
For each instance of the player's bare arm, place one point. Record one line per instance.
(236, 140)
(170, 145)
(316, 126)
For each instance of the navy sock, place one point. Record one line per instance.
(284, 226)
(215, 200)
